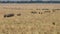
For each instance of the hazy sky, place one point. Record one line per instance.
(29, 0)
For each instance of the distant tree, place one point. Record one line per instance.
(39, 0)
(31, 0)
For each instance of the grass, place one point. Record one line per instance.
(29, 23)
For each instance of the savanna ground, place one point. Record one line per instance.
(33, 19)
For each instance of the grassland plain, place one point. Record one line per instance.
(30, 19)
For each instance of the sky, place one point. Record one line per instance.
(29, 0)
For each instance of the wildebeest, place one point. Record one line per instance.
(40, 13)
(8, 15)
(53, 23)
(45, 9)
(18, 14)
(33, 12)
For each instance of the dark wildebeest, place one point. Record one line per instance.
(18, 14)
(8, 15)
(33, 12)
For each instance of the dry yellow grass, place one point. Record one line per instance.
(40, 22)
